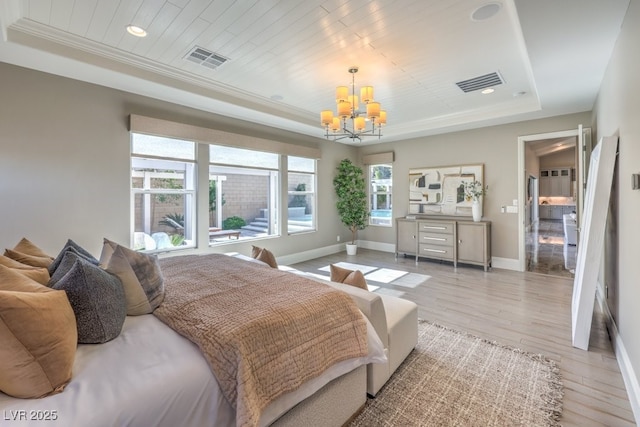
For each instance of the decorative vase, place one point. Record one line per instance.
(475, 211)
(352, 249)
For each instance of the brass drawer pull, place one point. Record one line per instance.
(433, 227)
(439, 239)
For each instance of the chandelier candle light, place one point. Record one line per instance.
(348, 112)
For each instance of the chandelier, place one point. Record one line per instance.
(350, 122)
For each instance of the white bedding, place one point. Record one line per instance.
(151, 376)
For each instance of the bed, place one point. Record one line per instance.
(151, 375)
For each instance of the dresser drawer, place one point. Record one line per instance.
(439, 239)
(436, 227)
(435, 251)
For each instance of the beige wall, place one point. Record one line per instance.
(560, 159)
(64, 163)
(494, 146)
(67, 145)
(531, 161)
(617, 112)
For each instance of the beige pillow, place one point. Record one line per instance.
(11, 280)
(140, 275)
(348, 277)
(32, 260)
(264, 255)
(38, 335)
(25, 246)
(12, 263)
(39, 274)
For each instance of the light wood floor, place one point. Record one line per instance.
(530, 311)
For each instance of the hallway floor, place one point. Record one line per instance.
(546, 251)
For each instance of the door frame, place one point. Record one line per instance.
(523, 175)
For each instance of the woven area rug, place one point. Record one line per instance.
(456, 379)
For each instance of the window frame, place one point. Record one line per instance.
(375, 221)
(190, 192)
(306, 192)
(274, 184)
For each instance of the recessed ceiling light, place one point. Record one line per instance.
(136, 31)
(488, 91)
(486, 11)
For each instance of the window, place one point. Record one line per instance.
(243, 194)
(163, 192)
(301, 212)
(380, 195)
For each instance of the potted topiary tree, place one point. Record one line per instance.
(352, 200)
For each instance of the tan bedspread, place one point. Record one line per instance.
(263, 331)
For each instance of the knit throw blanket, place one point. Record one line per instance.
(263, 331)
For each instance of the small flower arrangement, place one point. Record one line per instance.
(473, 190)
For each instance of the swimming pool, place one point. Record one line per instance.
(381, 213)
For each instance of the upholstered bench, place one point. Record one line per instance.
(396, 322)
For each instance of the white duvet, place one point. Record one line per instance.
(151, 376)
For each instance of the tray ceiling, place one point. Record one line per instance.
(277, 62)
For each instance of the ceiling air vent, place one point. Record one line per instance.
(480, 82)
(205, 57)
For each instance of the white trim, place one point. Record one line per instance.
(505, 263)
(496, 262)
(522, 254)
(626, 368)
(333, 249)
(377, 246)
(312, 254)
(10, 12)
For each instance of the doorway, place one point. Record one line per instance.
(550, 190)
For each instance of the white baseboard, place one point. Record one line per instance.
(626, 368)
(496, 262)
(505, 263)
(333, 249)
(313, 253)
(382, 247)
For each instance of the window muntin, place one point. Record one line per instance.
(301, 195)
(163, 193)
(243, 196)
(380, 194)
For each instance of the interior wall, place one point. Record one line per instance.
(531, 161)
(495, 146)
(616, 113)
(559, 159)
(64, 164)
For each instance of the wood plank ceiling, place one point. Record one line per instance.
(285, 58)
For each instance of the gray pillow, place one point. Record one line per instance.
(77, 249)
(97, 299)
(68, 257)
